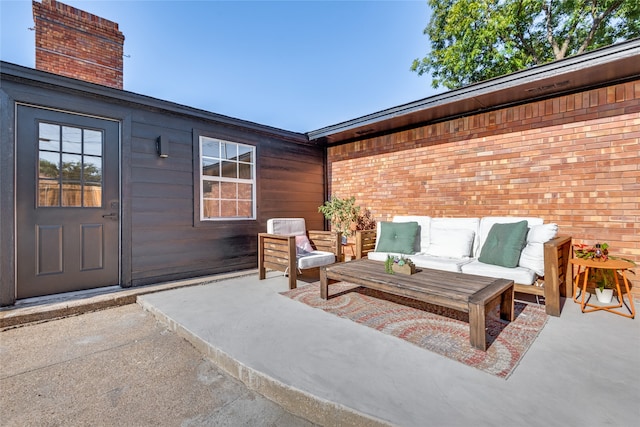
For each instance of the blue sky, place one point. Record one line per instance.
(295, 65)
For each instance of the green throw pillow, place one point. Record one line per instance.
(397, 237)
(504, 244)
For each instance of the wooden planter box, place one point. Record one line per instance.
(404, 269)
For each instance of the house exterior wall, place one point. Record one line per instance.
(77, 44)
(573, 160)
(162, 237)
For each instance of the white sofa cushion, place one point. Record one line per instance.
(472, 224)
(532, 256)
(439, 263)
(451, 243)
(382, 256)
(520, 275)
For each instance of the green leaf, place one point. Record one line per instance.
(476, 40)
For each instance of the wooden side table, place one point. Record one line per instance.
(351, 247)
(609, 264)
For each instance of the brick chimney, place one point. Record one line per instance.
(77, 44)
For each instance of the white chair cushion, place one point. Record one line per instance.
(287, 226)
(532, 256)
(316, 259)
(451, 243)
(520, 275)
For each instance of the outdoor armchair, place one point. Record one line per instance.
(289, 247)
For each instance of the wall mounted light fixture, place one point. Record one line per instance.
(162, 145)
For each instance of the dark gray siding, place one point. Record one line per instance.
(162, 238)
(168, 240)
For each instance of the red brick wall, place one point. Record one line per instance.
(77, 44)
(573, 160)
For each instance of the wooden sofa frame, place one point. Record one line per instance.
(557, 281)
(278, 252)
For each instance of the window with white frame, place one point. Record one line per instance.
(227, 180)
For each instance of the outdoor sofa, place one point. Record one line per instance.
(524, 250)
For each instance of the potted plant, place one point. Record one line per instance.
(400, 265)
(342, 213)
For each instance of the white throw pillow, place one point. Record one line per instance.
(532, 256)
(451, 243)
(542, 233)
(303, 246)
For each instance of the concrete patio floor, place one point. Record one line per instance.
(583, 369)
(120, 367)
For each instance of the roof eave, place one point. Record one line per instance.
(607, 65)
(32, 76)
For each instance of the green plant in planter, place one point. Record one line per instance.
(388, 264)
(400, 261)
(603, 278)
(342, 213)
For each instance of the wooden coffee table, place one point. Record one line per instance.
(475, 295)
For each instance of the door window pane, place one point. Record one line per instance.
(92, 196)
(71, 194)
(71, 140)
(49, 137)
(71, 167)
(49, 165)
(48, 192)
(92, 142)
(92, 169)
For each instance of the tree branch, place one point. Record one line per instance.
(570, 31)
(597, 20)
(550, 39)
(527, 46)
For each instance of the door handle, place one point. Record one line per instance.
(113, 216)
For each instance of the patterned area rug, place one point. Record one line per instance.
(441, 330)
